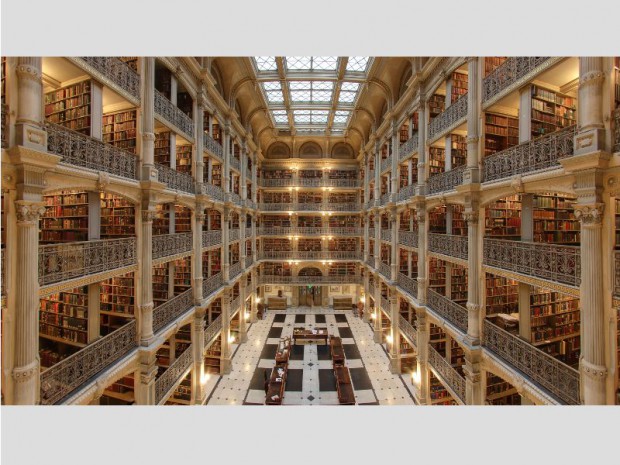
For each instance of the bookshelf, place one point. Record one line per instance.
(503, 218)
(65, 218)
(551, 111)
(160, 284)
(182, 219)
(275, 221)
(309, 245)
(342, 269)
(120, 392)
(215, 220)
(182, 275)
(281, 174)
(500, 392)
(279, 197)
(500, 132)
(457, 356)
(182, 394)
(161, 222)
(342, 174)
(119, 129)
(437, 275)
(436, 105)
(437, 160)
(117, 217)
(276, 269)
(490, 63)
(70, 106)
(342, 197)
(63, 317)
(458, 150)
(343, 245)
(459, 86)
(554, 220)
(458, 280)
(162, 148)
(437, 220)
(502, 295)
(116, 302)
(343, 221)
(309, 197)
(439, 394)
(437, 339)
(459, 226)
(307, 174)
(184, 158)
(216, 174)
(216, 261)
(213, 356)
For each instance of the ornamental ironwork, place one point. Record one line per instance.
(211, 284)
(212, 145)
(449, 119)
(234, 305)
(405, 193)
(386, 235)
(559, 379)
(408, 330)
(451, 311)
(174, 179)
(212, 330)
(558, 263)
(165, 245)
(60, 262)
(386, 163)
(116, 71)
(408, 238)
(449, 375)
(385, 199)
(72, 372)
(539, 154)
(408, 284)
(170, 310)
(371, 233)
(215, 192)
(385, 270)
(233, 235)
(235, 163)
(371, 289)
(171, 376)
(80, 150)
(236, 199)
(446, 181)
(211, 238)
(509, 74)
(249, 260)
(448, 244)
(173, 115)
(409, 147)
(617, 120)
(270, 279)
(235, 270)
(276, 182)
(385, 306)
(304, 255)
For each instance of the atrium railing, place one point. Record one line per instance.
(448, 244)
(558, 263)
(236, 199)
(319, 231)
(269, 279)
(385, 199)
(5, 126)
(211, 284)
(234, 306)
(408, 330)
(559, 379)
(386, 235)
(510, 74)
(165, 245)
(535, 155)
(310, 207)
(212, 145)
(386, 163)
(385, 306)
(233, 235)
(174, 179)
(214, 191)
(172, 309)
(617, 274)
(235, 163)
(617, 125)
(446, 181)
(249, 260)
(385, 270)
(406, 192)
(371, 290)
(450, 376)
(211, 238)
(235, 270)
(319, 255)
(409, 147)
(449, 119)
(408, 284)
(69, 374)
(212, 330)
(60, 262)
(408, 238)
(174, 115)
(87, 152)
(118, 72)
(451, 311)
(171, 376)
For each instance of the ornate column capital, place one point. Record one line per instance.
(25, 373)
(28, 213)
(148, 216)
(590, 214)
(201, 217)
(471, 216)
(28, 71)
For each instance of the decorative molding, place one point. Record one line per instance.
(28, 213)
(590, 214)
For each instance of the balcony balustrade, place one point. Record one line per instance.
(172, 375)
(235, 163)
(234, 306)
(617, 122)
(449, 375)
(511, 74)
(409, 285)
(385, 270)
(249, 261)
(211, 284)
(449, 119)
(446, 181)
(408, 238)
(371, 233)
(303, 280)
(386, 235)
(233, 235)
(385, 199)
(405, 193)
(321, 207)
(213, 146)
(165, 245)
(408, 330)
(175, 180)
(371, 289)
(385, 306)
(174, 115)
(212, 331)
(235, 270)
(211, 238)
(451, 311)
(116, 72)
(215, 192)
(448, 244)
(386, 163)
(323, 255)
(170, 310)
(408, 148)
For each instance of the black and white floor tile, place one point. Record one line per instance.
(311, 378)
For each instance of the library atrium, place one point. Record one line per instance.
(310, 230)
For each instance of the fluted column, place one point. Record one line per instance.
(422, 253)
(377, 336)
(148, 118)
(198, 342)
(394, 332)
(225, 258)
(243, 178)
(394, 225)
(474, 307)
(422, 377)
(199, 221)
(395, 159)
(29, 129)
(471, 174)
(226, 146)
(26, 353)
(377, 155)
(422, 149)
(146, 276)
(591, 77)
(225, 364)
(199, 136)
(242, 238)
(366, 236)
(243, 331)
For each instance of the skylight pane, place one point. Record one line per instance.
(266, 63)
(347, 97)
(272, 85)
(301, 116)
(300, 85)
(322, 96)
(322, 85)
(280, 116)
(341, 117)
(357, 64)
(325, 63)
(350, 86)
(275, 96)
(297, 63)
(300, 95)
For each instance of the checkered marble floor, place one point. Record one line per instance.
(310, 379)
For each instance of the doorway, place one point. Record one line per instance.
(311, 296)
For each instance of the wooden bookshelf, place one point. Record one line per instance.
(279, 197)
(437, 161)
(162, 148)
(65, 218)
(116, 302)
(343, 245)
(437, 220)
(277, 221)
(500, 132)
(182, 219)
(459, 85)
(617, 223)
(182, 275)
(502, 295)
(342, 269)
(309, 197)
(120, 128)
(342, 174)
(161, 222)
(551, 111)
(121, 392)
(458, 281)
(117, 217)
(216, 174)
(277, 269)
(213, 356)
(161, 276)
(436, 105)
(500, 392)
(342, 197)
(215, 220)
(216, 262)
(437, 276)
(182, 394)
(303, 174)
(184, 158)
(70, 107)
(459, 225)
(503, 218)
(458, 150)
(554, 220)
(439, 394)
(63, 317)
(490, 63)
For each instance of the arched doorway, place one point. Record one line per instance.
(310, 294)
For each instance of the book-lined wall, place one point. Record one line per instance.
(458, 150)
(436, 105)
(65, 218)
(342, 269)
(500, 392)
(500, 132)
(161, 279)
(116, 302)
(491, 63)
(437, 275)
(458, 284)
(63, 318)
(459, 85)
(343, 245)
(119, 129)
(551, 111)
(70, 107)
(117, 217)
(437, 160)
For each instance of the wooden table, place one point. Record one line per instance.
(336, 350)
(346, 396)
(309, 334)
(276, 387)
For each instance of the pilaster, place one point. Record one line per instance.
(394, 351)
(145, 271)
(225, 362)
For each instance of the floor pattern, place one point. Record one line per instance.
(310, 378)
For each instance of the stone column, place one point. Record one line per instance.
(474, 104)
(590, 115)
(377, 263)
(254, 297)
(395, 160)
(394, 225)
(242, 253)
(146, 276)
(254, 239)
(199, 136)
(199, 220)
(422, 253)
(367, 180)
(225, 363)
(395, 333)
(377, 335)
(149, 173)
(366, 237)
(422, 383)
(243, 178)
(243, 331)
(26, 352)
(145, 378)
(226, 146)
(198, 342)
(377, 156)
(29, 130)
(366, 298)
(422, 149)
(474, 276)
(225, 244)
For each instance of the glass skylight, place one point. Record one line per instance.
(312, 63)
(310, 116)
(311, 91)
(341, 117)
(358, 64)
(348, 92)
(280, 116)
(266, 63)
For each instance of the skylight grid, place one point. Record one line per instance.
(280, 116)
(358, 64)
(266, 63)
(311, 91)
(310, 116)
(341, 117)
(312, 63)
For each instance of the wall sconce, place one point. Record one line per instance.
(363, 299)
(373, 315)
(246, 315)
(257, 300)
(389, 339)
(231, 339)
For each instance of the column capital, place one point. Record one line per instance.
(148, 216)
(590, 214)
(25, 373)
(28, 212)
(471, 216)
